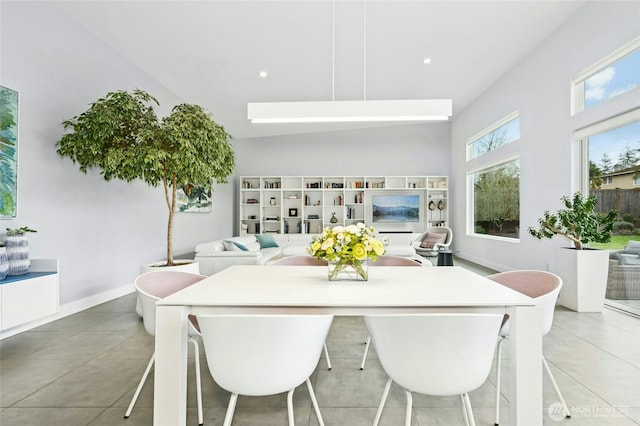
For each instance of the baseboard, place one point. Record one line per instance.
(481, 262)
(71, 308)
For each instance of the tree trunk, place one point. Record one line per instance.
(171, 202)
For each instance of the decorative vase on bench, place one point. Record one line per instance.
(18, 254)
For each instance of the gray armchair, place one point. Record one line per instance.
(623, 280)
(431, 242)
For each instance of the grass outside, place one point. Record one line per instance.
(617, 242)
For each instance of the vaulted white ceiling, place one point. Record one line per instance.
(210, 52)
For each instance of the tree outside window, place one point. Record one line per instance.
(496, 200)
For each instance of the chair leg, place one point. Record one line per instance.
(465, 413)
(407, 419)
(472, 421)
(382, 401)
(196, 351)
(230, 409)
(314, 401)
(567, 413)
(326, 355)
(139, 388)
(366, 351)
(498, 368)
(292, 421)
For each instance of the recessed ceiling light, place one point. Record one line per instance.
(426, 61)
(263, 74)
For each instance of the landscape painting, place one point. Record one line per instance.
(193, 199)
(396, 208)
(8, 153)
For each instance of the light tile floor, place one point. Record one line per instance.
(83, 370)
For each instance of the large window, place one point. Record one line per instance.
(613, 76)
(611, 165)
(493, 173)
(496, 200)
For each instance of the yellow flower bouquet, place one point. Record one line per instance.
(347, 249)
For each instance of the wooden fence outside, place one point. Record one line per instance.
(625, 201)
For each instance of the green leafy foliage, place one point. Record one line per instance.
(578, 222)
(121, 135)
(19, 231)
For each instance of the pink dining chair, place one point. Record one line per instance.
(544, 287)
(388, 261)
(151, 287)
(300, 261)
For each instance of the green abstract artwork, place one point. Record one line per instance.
(8, 152)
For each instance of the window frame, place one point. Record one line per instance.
(581, 136)
(578, 82)
(495, 126)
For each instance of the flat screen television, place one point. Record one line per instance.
(395, 208)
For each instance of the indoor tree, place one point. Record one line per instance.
(578, 222)
(121, 135)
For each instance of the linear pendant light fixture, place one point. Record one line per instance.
(350, 111)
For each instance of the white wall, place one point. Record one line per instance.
(103, 231)
(417, 150)
(100, 231)
(539, 87)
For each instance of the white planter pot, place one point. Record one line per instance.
(180, 265)
(584, 278)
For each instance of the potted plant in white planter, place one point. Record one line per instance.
(17, 250)
(583, 270)
(121, 135)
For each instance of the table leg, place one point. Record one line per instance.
(525, 373)
(170, 372)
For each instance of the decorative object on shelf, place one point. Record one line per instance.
(293, 212)
(347, 249)
(272, 201)
(441, 205)
(17, 247)
(583, 270)
(432, 205)
(4, 263)
(121, 135)
(333, 219)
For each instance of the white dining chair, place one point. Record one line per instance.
(434, 354)
(305, 261)
(151, 287)
(388, 261)
(545, 288)
(259, 355)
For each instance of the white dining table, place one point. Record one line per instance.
(244, 289)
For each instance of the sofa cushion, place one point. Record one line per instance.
(266, 241)
(629, 259)
(234, 246)
(430, 239)
(632, 247)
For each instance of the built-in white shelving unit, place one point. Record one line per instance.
(307, 204)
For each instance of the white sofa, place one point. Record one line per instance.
(217, 255)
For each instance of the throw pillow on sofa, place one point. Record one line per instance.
(266, 241)
(234, 246)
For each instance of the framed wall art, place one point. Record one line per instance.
(8, 153)
(194, 199)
